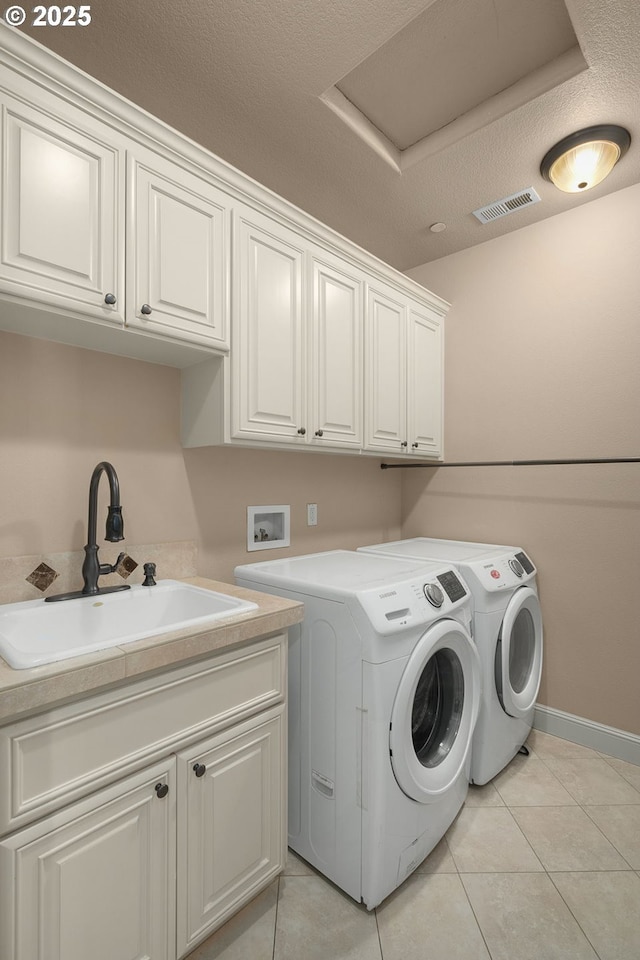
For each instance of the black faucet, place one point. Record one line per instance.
(92, 569)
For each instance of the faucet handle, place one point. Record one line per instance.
(106, 568)
(149, 574)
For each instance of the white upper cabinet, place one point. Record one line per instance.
(177, 252)
(98, 228)
(63, 204)
(335, 352)
(386, 369)
(403, 370)
(425, 382)
(296, 362)
(119, 234)
(267, 375)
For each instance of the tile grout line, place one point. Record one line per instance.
(484, 939)
(375, 913)
(275, 919)
(580, 927)
(597, 826)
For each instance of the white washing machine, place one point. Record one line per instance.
(507, 630)
(383, 699)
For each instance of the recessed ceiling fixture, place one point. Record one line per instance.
(437, 227)
(585, 158)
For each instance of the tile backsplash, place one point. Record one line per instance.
(40, 575)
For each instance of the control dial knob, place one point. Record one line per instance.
(434, 594)
(517, 567)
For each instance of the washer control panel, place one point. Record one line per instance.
(417, 601)
(434, 594)
(453, 585)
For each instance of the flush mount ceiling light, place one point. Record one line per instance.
(585, 158)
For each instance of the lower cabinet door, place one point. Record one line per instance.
(96, 880)
(231, 842)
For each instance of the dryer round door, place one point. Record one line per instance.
(518, 664)
(435, 711)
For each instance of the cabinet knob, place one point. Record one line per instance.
(319, 433)
(162, 789)
(405, 443)
(199, 769)
(110, 299)
(415, 445)
(146, 309)
(302, 431)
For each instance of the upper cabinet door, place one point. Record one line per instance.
(62, 192)
(425, 382)
(177, 260)
(386, 371)
(267, 379)
(335, 355)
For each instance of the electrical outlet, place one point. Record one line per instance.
(312, 514)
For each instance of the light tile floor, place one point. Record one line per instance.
(543, 863)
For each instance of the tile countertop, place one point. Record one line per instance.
(27, 691)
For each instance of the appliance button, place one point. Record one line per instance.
(434, 594)
(517, 567)
(495, 574)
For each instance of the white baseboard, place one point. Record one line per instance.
(609, 740)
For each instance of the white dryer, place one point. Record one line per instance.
(383, 699)
(507, 630)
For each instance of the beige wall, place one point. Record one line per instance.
(543, 361)
(543, 344)
(64, 409)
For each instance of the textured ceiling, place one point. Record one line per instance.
(245, 78)
(451, 58)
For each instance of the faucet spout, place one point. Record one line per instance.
(92, 569)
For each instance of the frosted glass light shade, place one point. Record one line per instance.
(584, 159)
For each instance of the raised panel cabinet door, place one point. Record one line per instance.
(267, 376)
(177, 253)
(335, 360)
(386, 371)
(231, 842)
(62, 202)
(425, 382)
(97, 879)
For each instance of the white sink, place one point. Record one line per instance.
(36, 632)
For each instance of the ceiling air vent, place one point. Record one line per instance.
(501, 208)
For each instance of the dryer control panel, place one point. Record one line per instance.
(505, 572)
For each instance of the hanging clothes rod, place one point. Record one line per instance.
(507, 463)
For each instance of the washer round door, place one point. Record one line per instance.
(518, 661)
(435, 711)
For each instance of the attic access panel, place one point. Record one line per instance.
(456, 60)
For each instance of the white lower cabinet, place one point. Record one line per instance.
(230, 840)
(96, 880)
(151, 864)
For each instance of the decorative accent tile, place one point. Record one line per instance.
(126, 566)
(42, 577)
(175, 560)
